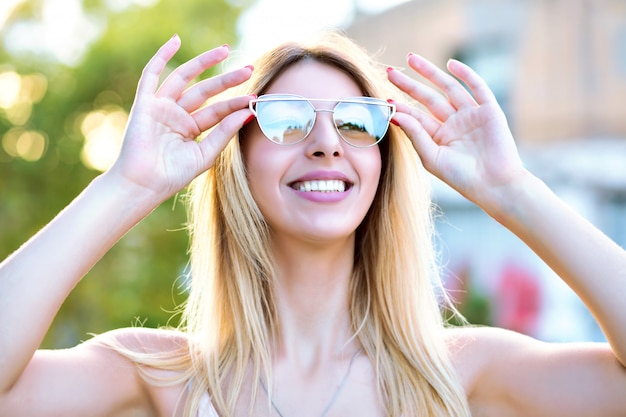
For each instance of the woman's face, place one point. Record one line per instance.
(280, 175)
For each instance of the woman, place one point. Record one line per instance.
(314, 288)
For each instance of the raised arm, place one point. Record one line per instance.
(159, 156)
(464, 140)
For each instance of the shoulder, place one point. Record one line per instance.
(471, 349)
(475, 350)
(140, 339)
(100, 376)
(159, 357)
(505, 373)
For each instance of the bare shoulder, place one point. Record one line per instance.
(473, 350)
(142, 340)
(505, 373)
(99, 377)
(160, 356)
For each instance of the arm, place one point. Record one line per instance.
(159, 156)
(465, 141)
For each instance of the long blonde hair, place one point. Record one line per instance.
(395, 303)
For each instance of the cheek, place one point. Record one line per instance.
(254, 152)
(264, 168)
(370, 168)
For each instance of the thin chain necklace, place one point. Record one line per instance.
(332, 400)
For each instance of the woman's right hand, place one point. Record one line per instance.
(160, 152)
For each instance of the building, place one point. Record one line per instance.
(558, 68)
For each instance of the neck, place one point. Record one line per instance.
(312, 296)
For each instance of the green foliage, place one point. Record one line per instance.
(139, 279)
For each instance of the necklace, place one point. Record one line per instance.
(332, 400)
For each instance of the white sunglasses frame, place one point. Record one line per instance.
(356, 100)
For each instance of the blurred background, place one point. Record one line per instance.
(68, 72)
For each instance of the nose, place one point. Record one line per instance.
(324, 140)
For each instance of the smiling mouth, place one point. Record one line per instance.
(321, 186)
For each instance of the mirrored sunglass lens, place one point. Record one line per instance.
(285, 121)
(362, 124)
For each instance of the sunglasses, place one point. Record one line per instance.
(287, 119)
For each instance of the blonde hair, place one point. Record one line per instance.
(395, 305)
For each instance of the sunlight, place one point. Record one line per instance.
(29, 145)
(18, 93)
(268, 22)
(121, 5)
(6, 8)
(62, 30)
(103, 131)
(10, 86)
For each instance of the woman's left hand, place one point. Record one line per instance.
(463, 138)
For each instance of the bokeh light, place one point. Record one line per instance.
(29, 145)
(103, 130)
(10, 83)
(18, 94)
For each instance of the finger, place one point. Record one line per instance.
(479, 88)
(219, 137)
(429, 123)
(149, 80)
(423, 143)
(452, 88)
(435, 102)
(196, 96)
(210, 116)
(178, 80)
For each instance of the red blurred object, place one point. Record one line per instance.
(518, 300)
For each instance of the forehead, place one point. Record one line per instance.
(312, 79)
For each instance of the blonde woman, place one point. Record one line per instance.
(314, 284)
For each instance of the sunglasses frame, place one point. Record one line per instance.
(310, 101)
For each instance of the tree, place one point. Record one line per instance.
(44, 133)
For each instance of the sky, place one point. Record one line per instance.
(269, 22)
(261, 26)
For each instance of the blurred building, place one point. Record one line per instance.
(558, 68)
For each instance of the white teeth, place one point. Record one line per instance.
(322, 186)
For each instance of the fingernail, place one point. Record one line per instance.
(389, 69)
(227, 46)
(251, 67)
(390, 101)
(409, 55)
(254, 96)
(249, 119)
(174, 36)
(395, 122)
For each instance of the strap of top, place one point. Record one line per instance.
(206, 408)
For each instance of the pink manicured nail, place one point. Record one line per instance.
(395, 122)
(390, 101)
(227, 46)
(389, 69)
(251, 67)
